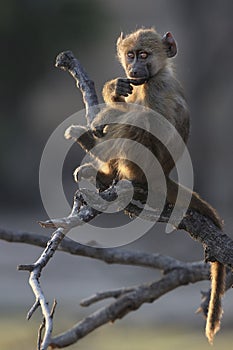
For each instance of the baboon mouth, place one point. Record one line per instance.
(139, 81)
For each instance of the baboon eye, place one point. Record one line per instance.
(143, 55)
(130, 54)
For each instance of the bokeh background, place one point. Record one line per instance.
(36, 97)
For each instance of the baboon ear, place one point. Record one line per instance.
(170, 44)
(121, 37)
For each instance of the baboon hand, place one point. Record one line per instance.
(123, 87)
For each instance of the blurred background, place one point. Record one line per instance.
(36, 97)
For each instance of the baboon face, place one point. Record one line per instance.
(144, 53)
(137, 64)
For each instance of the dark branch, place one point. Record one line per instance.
(67, 61)
(217, 245)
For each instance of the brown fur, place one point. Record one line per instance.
(151, 82)
(215, 308)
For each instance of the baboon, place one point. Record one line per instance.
(150, 82)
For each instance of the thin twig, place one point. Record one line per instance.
(40, 336)
(43, 325)
(116, 293)
(33, 309)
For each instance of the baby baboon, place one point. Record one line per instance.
(150, 82)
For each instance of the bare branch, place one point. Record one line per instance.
(217, 245)
(33, 309)
(43, 325)
(197, 268)
(29, 268)
(177, 273)
(40, 336)
(108, 255)
(131, 301)
(116, 293)
(67, 61)
(200, 228)
(34, 282)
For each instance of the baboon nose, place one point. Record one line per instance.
(133, 73)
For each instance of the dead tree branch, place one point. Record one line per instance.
(177, 273)
(67, 61)
(35, 272)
